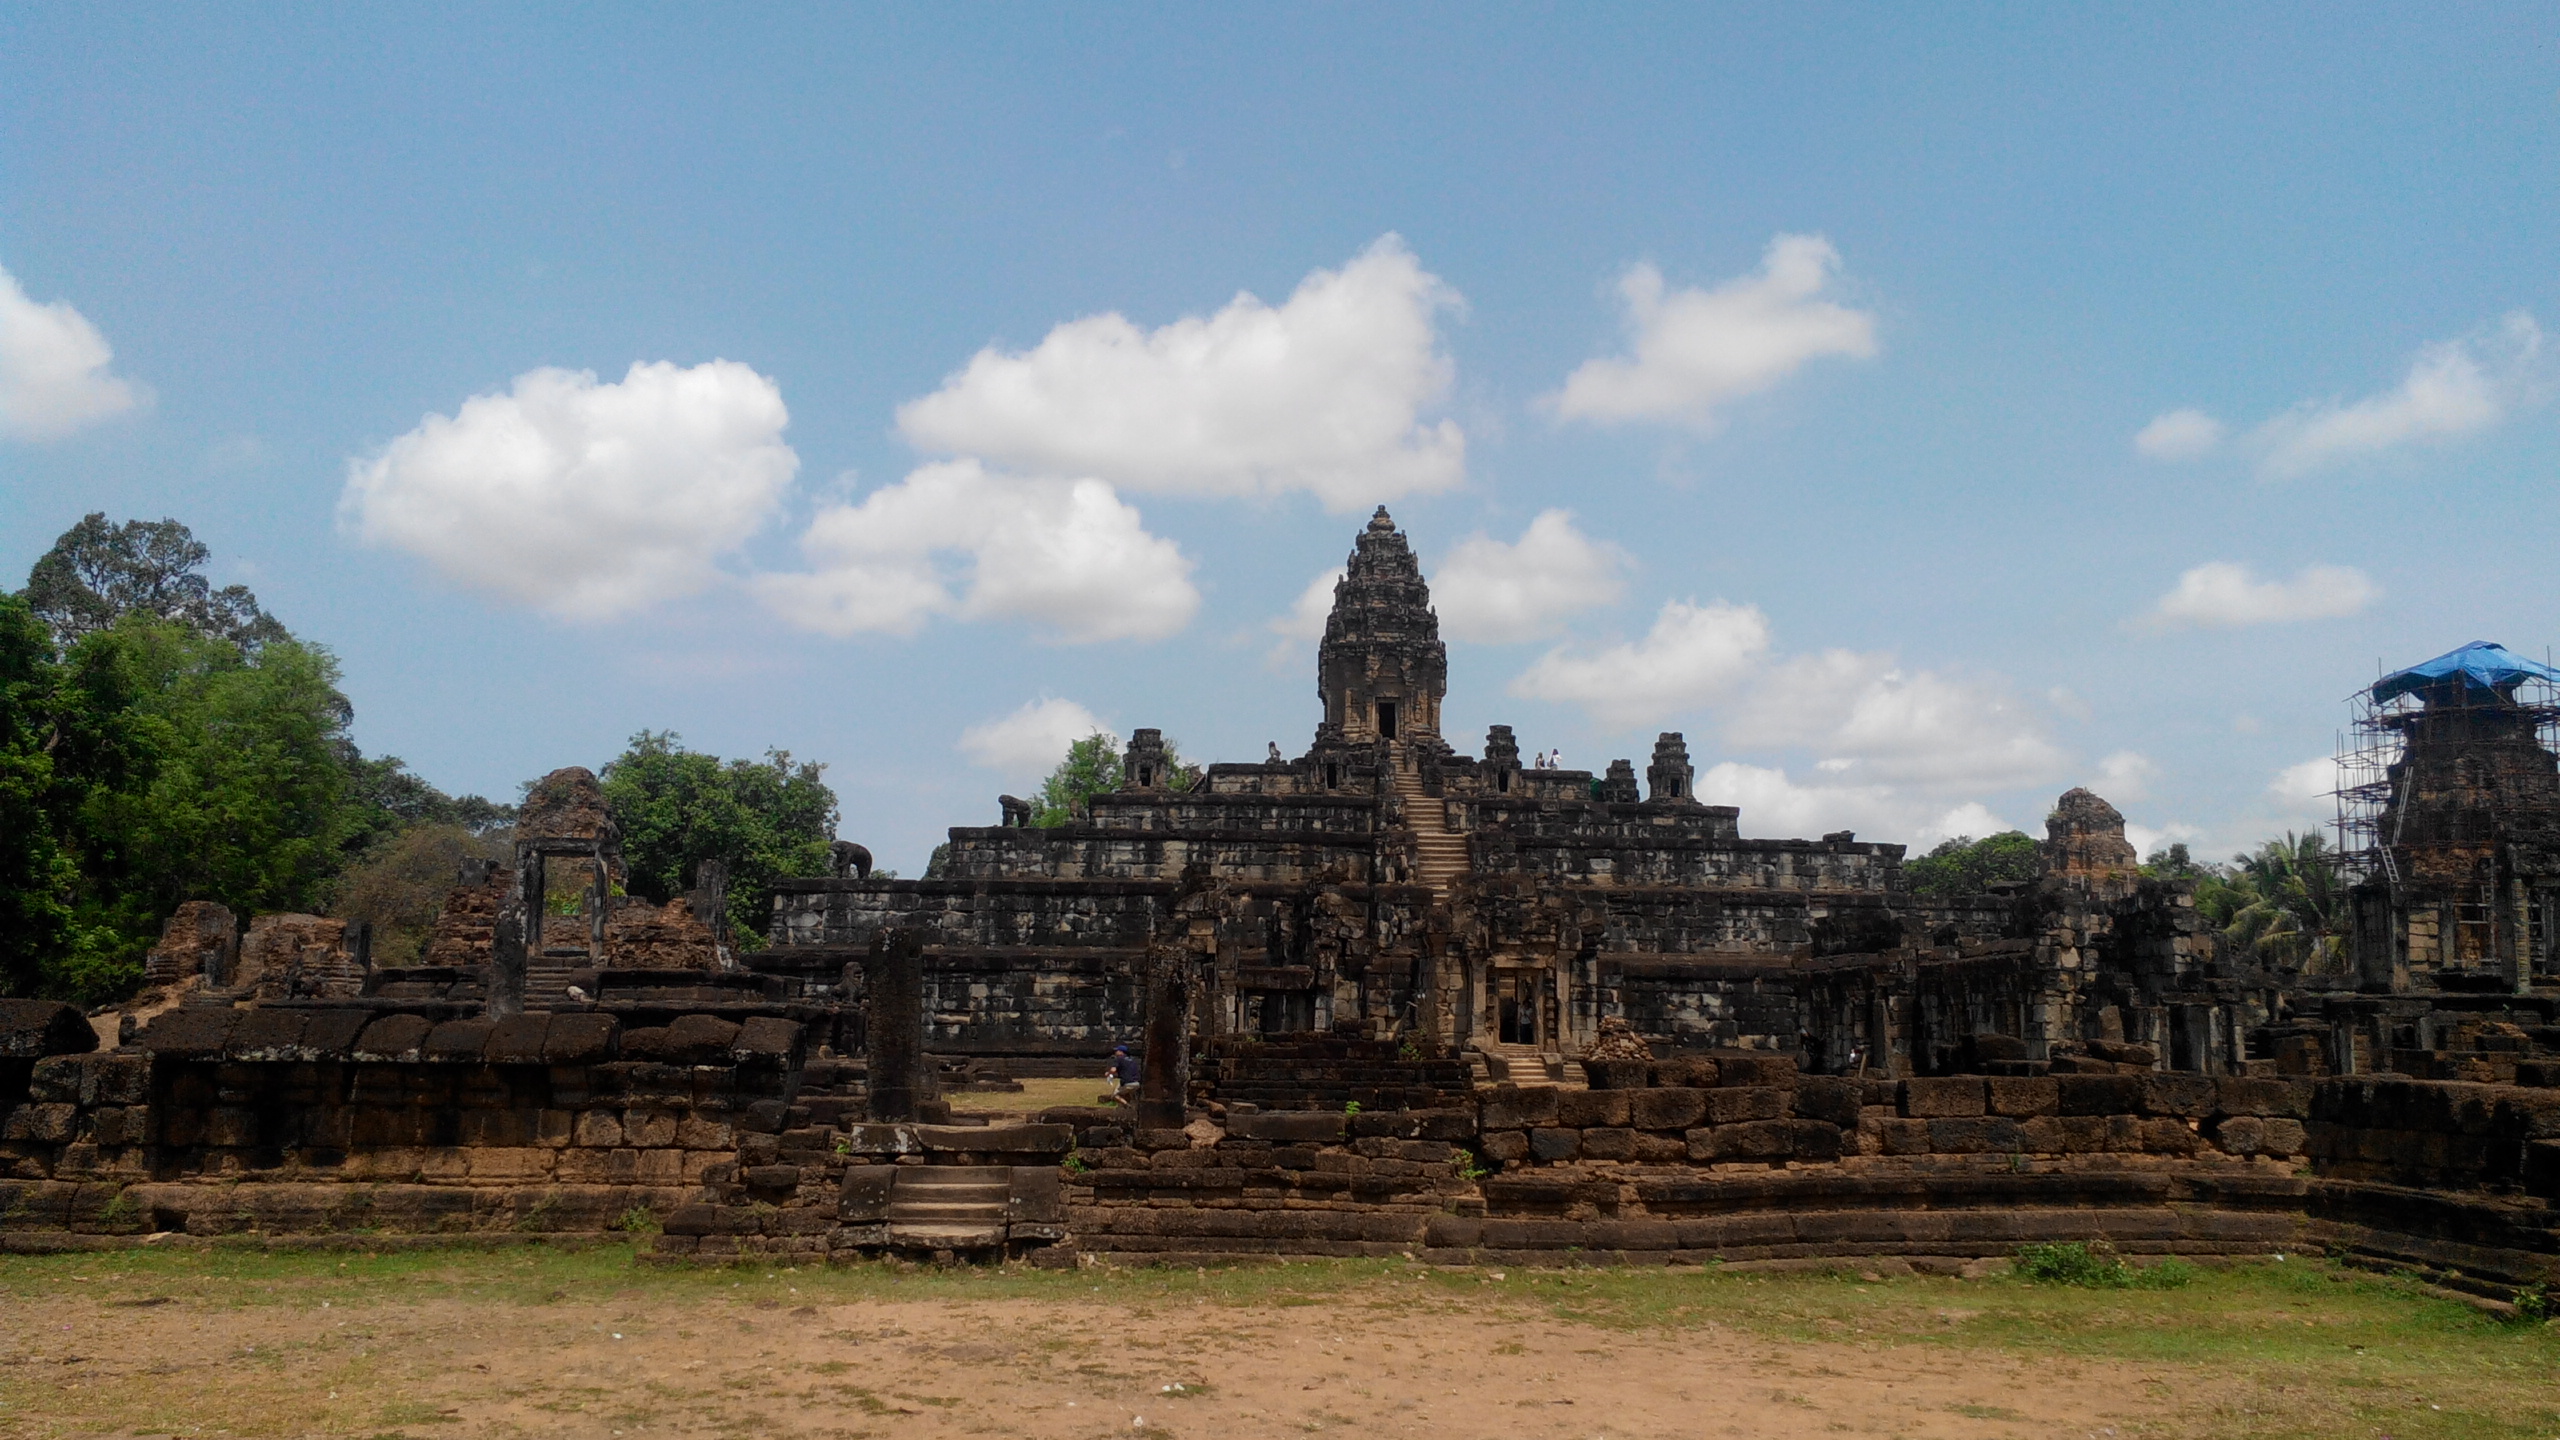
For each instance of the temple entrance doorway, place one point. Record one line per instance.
(1517, 997)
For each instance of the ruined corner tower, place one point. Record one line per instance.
(1382, 670)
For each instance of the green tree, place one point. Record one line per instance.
(769, 819)
(2284, 903)
(37, 798)
(1092, 767)
(97, 573)
(1966, 866)
(234, 792)
(400, 885)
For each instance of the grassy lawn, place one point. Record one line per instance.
(1034, 1096)
(2292, 1348)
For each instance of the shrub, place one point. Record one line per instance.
(2097, 1266)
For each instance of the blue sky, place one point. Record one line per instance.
(1833, 332)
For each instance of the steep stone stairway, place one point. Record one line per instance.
(949, 1207)
(1441, 853)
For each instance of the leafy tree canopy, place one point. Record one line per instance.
(769, 819)
(97, 573)
(2284, 903)
(1092, 767)
(1966, 866)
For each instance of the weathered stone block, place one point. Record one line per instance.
(1609, 1143)
(509, 1162)
(696, 1132)
(2024, 1095)
(1548, 1142)
(2171, 1093)
(1509, 1107)
(2284, 1136)
(393, 1039)
(601, 1128)
(1584, 1109)
(771, 1180)
(1813, 1139)
(1751, 1140)
(1287, 1126)
(518, 1040)
(459, 1040)
(766, 1037)
(1690, 1070)
(648, 1128)
(1828, 1098)
(2241, 1134)
(1504, 1147)
(1944, 1097)
(2100, 1094)
(1975, 1135)
(46, 1124)
(1731, 1105)
(2244, 1095)
(580, 1039)
(183, 1034)
(1667, 1109)
(1755, 1070)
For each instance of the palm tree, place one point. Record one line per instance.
(2283, 903)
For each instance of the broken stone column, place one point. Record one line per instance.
(507, 947)
(893, 1027)
(1165, 1078)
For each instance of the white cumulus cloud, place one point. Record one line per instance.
(957, 539)
(1694, 655)
(1030, 742)
(2453, 388)
(53, 369)
(2306, 788)
(2180, 435)
(2127, 775)
(1869, 718)
(587, 499)
(1774, 804)
(2223, 595)
(1324, 393)
(1494, 592)
(1695, 350)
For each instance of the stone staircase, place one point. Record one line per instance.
(949, 1207)
(1440, 852)
(1529, 1065)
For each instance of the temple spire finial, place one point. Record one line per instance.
(1382, 520)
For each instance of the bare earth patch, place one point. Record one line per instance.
(589, 1346)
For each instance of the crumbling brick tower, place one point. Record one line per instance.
(2455, 838)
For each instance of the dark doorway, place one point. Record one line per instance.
(1386, 719)
(1518, 1007)
(1288, 1012)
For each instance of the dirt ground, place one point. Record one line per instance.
(501, 1346)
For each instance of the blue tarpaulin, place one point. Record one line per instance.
(2480, 663)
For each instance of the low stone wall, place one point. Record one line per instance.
(315, 1121)
(320, 1121)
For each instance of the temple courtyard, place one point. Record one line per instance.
(542, 1341)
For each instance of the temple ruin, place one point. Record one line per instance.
(1393, 999)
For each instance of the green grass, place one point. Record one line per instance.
(2296, 1347)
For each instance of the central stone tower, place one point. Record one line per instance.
(1382, 670)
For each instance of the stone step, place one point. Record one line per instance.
(946, 1237)
(978, 1213)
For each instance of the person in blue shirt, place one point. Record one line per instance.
(1125, 1073)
